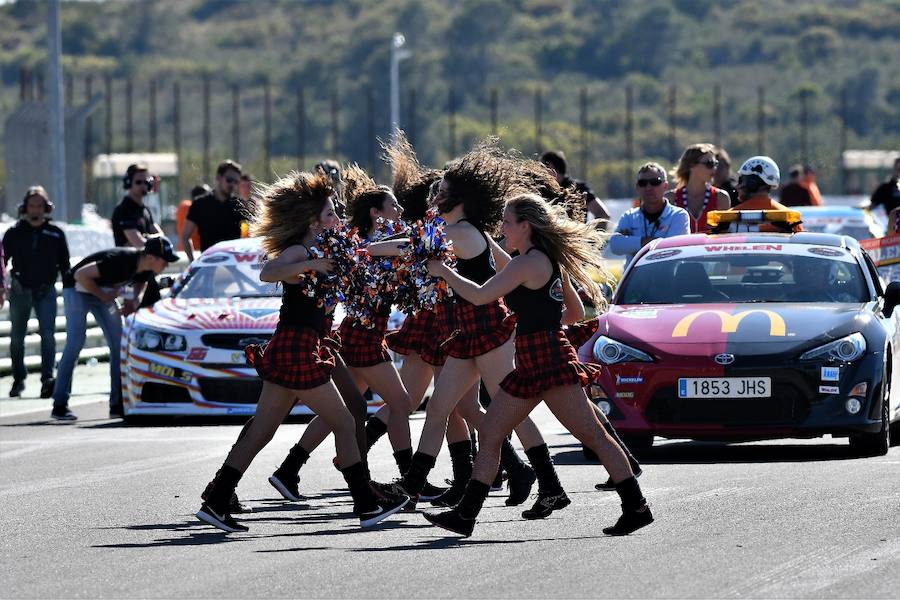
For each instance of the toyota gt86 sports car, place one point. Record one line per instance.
(752, 336)
(185, 354)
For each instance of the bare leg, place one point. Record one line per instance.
(275, 402)
(504, 413)
(384, 380)
(456, 377)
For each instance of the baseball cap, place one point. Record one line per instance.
(161, 247)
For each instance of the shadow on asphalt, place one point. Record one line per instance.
(692, 452)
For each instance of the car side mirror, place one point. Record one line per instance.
(891, 298)
(165, 282)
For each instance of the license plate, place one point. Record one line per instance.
(725, 387)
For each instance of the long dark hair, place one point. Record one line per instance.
(361, 194)
(481, 180)
(287, 208)
(411, 181)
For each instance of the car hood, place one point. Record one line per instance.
(206, 314)
(698, 329)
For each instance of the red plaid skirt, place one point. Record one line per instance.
(413, 334)
(477, 330)
(293, 358)
(433, 351)
(545, 360)
(361, 346)
(580, 333)
(330, 337)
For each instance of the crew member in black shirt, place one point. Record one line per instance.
(217, 216)
(888, 193)
(92, 286)
(39, 254)
(556, 160)
(132, 221)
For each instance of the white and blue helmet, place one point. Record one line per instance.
(764, 168)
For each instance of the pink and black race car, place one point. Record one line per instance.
(185, 355)
(751, 336)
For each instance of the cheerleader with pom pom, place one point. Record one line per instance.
(537, 284)
(295, 365)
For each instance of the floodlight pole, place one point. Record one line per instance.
(398, 53)
(57, 115)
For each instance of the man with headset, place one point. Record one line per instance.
(132, 221)
(39, 254)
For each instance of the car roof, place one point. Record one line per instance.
(240, 246)
(804, 237)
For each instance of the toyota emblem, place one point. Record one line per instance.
(724, 359)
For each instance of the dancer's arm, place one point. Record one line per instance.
(386, 247)
(519, 271)
(501, 258)
(291, 264)
(573, 310)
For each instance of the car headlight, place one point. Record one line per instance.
(148, 339)
(846, 349)
(610, 352)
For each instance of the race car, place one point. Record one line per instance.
(840, 220)
(751, 336)
(185, 354)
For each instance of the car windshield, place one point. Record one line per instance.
(743, 273)
(226, 281)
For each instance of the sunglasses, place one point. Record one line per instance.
(652, 182)
(710, 164)
(232, 180)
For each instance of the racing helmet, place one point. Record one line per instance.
(762, 167)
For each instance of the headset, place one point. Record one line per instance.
(129, 176)
(35, 191)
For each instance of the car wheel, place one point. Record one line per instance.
(874, 444)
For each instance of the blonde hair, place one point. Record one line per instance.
(287, 209)
(688, 159)
(574, 246)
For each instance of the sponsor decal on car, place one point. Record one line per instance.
(624, 395)
(629, 380)
(831, 373)
(829, 389)
(745, 248)
(198, 353)
(662, 254)
(829, 252)
(730, 323)
(641, 313)
(238, 357)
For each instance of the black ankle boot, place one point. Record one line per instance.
(451, 520)
(414, 479)
(545, 505)
(220, 490)
(631, 521)
(375, 430)
(403, 458)
(461, 460)
(547, 479)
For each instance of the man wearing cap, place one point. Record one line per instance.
(39, 254)
(92, 286)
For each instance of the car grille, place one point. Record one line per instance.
(233, 341)
(163, 393)
(231, 390)
(785, 407)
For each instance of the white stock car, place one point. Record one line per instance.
(185, 354)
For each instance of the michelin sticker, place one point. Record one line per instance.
(831, 373)
(829, 389)
(627, 380)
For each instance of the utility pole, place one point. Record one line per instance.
(57, 112)
(398, 53)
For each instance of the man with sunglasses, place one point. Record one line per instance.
(655, 218)
(217, 215)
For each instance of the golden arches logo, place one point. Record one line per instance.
(730, 323)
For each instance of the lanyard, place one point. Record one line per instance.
(681, 202)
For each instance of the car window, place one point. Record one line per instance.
(226, 281)
(737, 277)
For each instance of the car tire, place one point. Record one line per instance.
(874, 444)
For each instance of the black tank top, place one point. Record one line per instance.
(478, 269)
(300, 310)
(540, 309)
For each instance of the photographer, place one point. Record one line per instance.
(93, 286)
(39, 254)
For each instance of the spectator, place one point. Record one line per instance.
(245, 188)
(758, 178)
(181, 214)
(92, 286)
(217, 216)
(694, 191)
(809, 180)
(893, 222)
(39, 254)
(655, 218)
(132, 221)
(888, 193)
(556, 160)
(794, 193)
(724, 179)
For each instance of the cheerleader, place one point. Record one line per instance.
(694, 192)
(295, 365)
(552, 252)
(470, 201)
(538, 178)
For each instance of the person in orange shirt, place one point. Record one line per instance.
(182, 211)
(758, 177)
(809, 180)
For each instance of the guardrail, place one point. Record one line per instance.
(94, 346)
